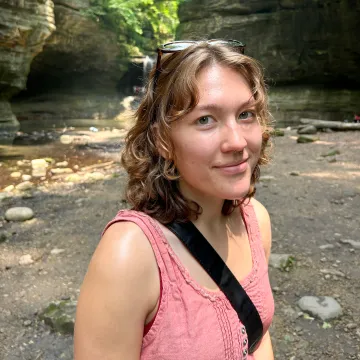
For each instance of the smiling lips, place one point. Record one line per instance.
(234, 167)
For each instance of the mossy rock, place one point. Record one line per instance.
(305, 139)
(60, 316)
(278, 132)
(331, 153)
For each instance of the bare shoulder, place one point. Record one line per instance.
(263, 218)
(120, 288)
(124, 254)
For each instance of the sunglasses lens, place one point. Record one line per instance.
(177, 46)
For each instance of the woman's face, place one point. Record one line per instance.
(218, 144)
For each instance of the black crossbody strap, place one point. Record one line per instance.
(210, 260)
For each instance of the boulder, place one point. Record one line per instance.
(323, 307)
(281, 261)
(60, 316)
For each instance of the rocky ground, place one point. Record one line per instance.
(312, 192)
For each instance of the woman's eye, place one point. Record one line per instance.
(204, 120)
(246, 115)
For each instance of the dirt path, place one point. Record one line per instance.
(319, 206)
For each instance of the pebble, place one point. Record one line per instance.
(56, 251)
(326, 246)
(73, 178)
(23, 186)
(332, 272)
(95, 176)
(62, 164)
(323, 307)
(302, 139)
(74, 139)
(39, 167)
(19, 214)
(4, 235)
(294, 173)
(9, 188)
(26, 260)
(279, 261)
(4, 195)
(351, 326)
(27, 322)
(353, 243)
(267, 178)
(15, 174)
(61, 171)
(26, 177)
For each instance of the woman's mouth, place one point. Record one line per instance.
(234, 167)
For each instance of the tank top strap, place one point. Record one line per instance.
(254, 234)
(154, 235)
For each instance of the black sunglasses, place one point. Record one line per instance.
(176, 46)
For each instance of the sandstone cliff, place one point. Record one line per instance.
(24, 28)
(70, 72)
(309, 44)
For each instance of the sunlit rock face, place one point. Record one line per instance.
(80, 55)
(67, 62)
(307, 43)
(76, 74)
(24, 27)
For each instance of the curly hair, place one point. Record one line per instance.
(153, 180)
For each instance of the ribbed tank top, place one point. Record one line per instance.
(193, 323)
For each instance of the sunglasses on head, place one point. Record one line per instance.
(176, 46)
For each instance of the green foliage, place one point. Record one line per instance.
(140, 24)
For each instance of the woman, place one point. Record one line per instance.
(201, 133)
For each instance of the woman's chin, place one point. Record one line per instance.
(237, 195)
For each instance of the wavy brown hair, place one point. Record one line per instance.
(153, 179)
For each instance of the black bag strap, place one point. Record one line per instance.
(211, 261)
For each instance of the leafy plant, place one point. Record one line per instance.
(140, 24)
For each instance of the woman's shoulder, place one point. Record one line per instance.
(124, 246)
(122, 276)
(124, 263)
(264, 222)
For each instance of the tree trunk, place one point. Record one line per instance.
(334, 125)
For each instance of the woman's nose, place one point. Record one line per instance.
(233, 139)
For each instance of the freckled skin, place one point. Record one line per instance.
(224, 134)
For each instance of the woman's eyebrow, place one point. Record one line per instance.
(250, 102)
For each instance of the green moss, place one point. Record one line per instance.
(278, 132)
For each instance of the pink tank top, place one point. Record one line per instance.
(193, 323)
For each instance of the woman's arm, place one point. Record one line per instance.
(120, 289)
(264, 351)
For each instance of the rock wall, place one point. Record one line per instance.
(24, 27)
(81, 53)
(76, 74)
(299, 42)
(70, 72)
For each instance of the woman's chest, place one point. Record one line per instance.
(235, 252)
(195, 327)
